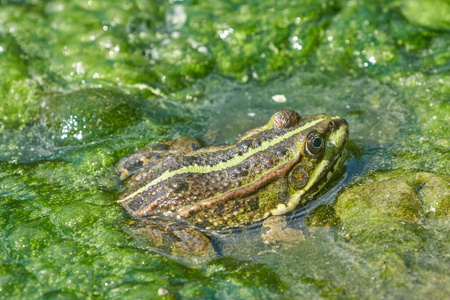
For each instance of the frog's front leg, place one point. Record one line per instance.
(172, 239)
(274, 231)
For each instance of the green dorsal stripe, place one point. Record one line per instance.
(223, 165)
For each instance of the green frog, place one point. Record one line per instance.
(181, 194)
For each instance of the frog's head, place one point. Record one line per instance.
(319, 149)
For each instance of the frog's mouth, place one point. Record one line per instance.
(333, 160)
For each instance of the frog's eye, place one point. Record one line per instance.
(315, 144)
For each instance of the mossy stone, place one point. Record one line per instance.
(88, 115)
(75, 217)
(28, 237)
(322, 216)
(388, 211)
(393, 198)
(13, 278)
(433, 190)
(429, 13)
(396, 194)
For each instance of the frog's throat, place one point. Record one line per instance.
(232, 162)
(327, 166)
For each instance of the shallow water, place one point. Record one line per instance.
(84, 83)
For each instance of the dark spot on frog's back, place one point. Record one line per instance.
(238, 171)
(222, 157)
(280, 151)
(173, 162)
(244, 145)
(256, 143)
(177, 185)
(135, 204)
(190, 160)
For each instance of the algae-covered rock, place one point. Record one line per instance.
(322, 216)
(87, 115)
(358, 39)
(433, 192)
(430, 13)
(13, 278)
(409, 196)
(254, 41)
(393, 199)
(387, 210)
(18, 91)
(27, 238)
(72, 218)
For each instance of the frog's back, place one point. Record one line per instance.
(185, 184)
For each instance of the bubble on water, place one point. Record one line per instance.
(224, 31)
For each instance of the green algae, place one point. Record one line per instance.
(433, 14)
(409, 196)
(73, 117)
(135, 72)
(18, 90)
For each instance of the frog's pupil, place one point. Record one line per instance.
(317, 142)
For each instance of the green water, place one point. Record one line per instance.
(83, 83)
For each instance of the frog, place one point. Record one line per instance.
(180, 194)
